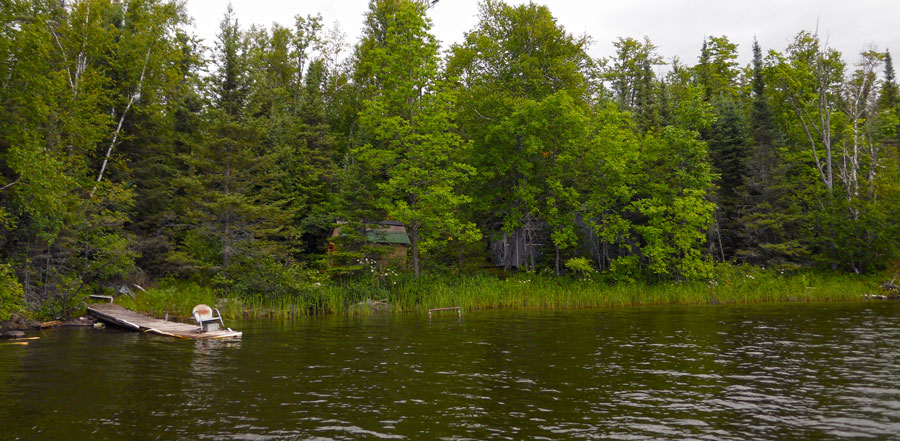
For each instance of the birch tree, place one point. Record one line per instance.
(810, 79)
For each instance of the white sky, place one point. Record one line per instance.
(676, 27)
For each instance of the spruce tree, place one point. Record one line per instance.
(890, 96)
(233, 204)
(727, 137)
(728, 148)
(647, 111)
(762, 191)
(762, 124)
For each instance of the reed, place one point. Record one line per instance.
(730, 285)
(175, 299)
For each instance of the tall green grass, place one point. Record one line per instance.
(549, 292)
(730, 285)
(176, 300)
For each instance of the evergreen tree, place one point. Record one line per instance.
(889, 104)
(156, 152)
(764, 174)
(647, 111)
(762, 125)
(231, 190)
(890, 96)
(728, 147)
(75, 76)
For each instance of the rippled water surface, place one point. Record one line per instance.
(773, 372)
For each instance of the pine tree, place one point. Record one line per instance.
(231, 190)
(647, 109)
(728, 147)
(762, 122)
(156, 152)
(727, 138)
(889, 103)
(890, 96)
(762, 217)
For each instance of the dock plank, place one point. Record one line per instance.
(126, 318)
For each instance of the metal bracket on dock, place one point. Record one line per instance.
(458, 311)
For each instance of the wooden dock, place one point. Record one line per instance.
(126, 318)
(452, 308)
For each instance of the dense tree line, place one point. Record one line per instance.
(131, 152)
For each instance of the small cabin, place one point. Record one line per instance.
(389, 234)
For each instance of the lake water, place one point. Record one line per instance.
(763, 372)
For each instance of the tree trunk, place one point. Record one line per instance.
(530, 248)
(131, 99)
(557, 258)
(414, 244)
(506, 256)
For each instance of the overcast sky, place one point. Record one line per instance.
(677, 27)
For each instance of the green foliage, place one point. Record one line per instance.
(633, 83)
(889, 98)
(128, 156)
(174, 298)
(415, 157)
(11, 293)
(580, 265)
(675, 204)
(729, 150)
(717, 70)
(550, 137)
(513, 66)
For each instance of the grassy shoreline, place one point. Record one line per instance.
(733, 285)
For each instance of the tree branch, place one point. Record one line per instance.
(10, 184)
(812, 142)
(115, 137)
(65, 60)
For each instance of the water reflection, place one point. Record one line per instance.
(727, 373)
(210, 355)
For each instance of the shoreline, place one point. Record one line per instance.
(175, 300)
(520, 292)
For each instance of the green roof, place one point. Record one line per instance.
(381, 236)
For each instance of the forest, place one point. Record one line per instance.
(132, 152)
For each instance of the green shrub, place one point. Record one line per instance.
(580, 265)
(11, 293)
